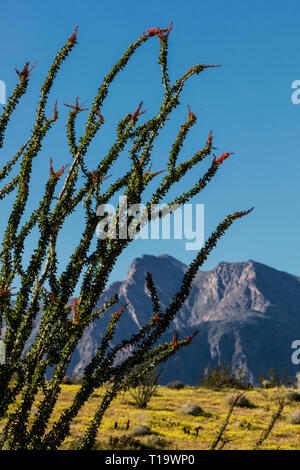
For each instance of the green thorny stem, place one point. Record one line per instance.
(274, 418)
(58, 334)
(220, 434)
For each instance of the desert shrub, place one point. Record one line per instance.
(123, 442)
(154, 442)
(74, 380)
(293, 395)
(266, 384)
(294, 418)
(141, 430)
(243, 401)
(244, 424)
(222, 376)
(273, 378)
(147, 387)
(47, 285)
(192, 409)
(67, 380)
(176, 385)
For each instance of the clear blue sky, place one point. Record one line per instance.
(246, 102)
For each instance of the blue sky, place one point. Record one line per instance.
(246, 102)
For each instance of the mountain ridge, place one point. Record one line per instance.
(247, 313)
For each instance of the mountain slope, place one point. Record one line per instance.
(246, 313)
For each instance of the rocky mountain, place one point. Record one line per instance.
(247, 314)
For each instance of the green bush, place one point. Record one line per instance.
(272, 379)
(293, 396)
(141, 430)
(295, 417)
(222, 376)
(192, 409)
(154, 442)
(67, 380)
(123, 442)
(243, 401)
(147, 387)
(176, 385)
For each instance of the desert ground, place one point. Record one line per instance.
(172, 429)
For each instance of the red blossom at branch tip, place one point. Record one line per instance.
(51, 167)
(223, 157)
(58, 173)
(189, 338)
(175, 340)
(155, 173)
(96, 178)
(207, 66)
(73, 38)
(209, 139)
(55, 111)
(191, 115)
(76, 317)
(161, 33)
(119, 312)
(101, 119)
(137, 112)
(157, 316)
(76, 106)
(26, 71)
(237, 215)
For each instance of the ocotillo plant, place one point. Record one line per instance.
(44, 292)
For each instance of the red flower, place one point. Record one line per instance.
(189, 338)
(26, 71)
(223, 157)
(76, 317)
(191, 115)
(101, 119)
(152, 31)
(76, 106)
(119, 312)
(73, 38)
(55, 111)
(209, 139)
(58, 173)
(154, 173)
(161, 33)
(157, 316)
(237, 215)
(175, 340)
(94, 177)
(137, 112)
